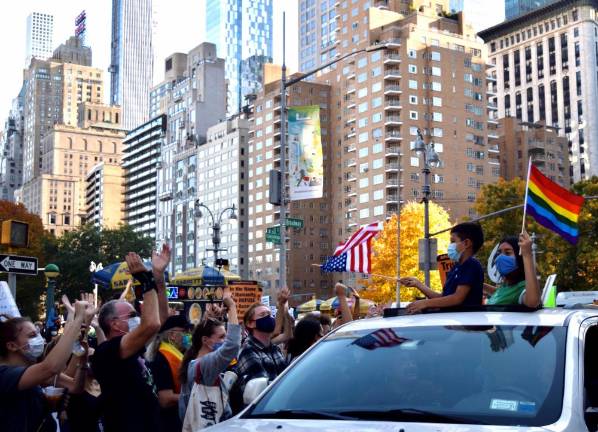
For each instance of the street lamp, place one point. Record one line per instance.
(215, 223)
(284, 84)
(431, 160)
(51, 271)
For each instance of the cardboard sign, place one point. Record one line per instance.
(444, 266)
(244, 293)
(7, 302)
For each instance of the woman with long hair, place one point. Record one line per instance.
(212, 349)
(516, 267)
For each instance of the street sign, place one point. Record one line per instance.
(273, 230)
(273, 238)
(18, 264)
(294, 223)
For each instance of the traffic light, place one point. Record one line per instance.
(15, 233)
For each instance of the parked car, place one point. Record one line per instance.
(489, 370)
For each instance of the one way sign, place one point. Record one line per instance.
(18, 264)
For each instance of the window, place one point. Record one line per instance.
(378, 195)
(413, 115)
(436, 86)
(435, 55)
(378, 179)
(362, 107)
(364, 213)
(377, 163)
(414, 162)
(376, 117)
(413, 84)
(377, 148)
(362, 122)
(364, 182)
(413, 100)
(376, 102)
(364, 197)
(363, 152)
(436, 71)
(412, 69)
(412, 53)
(376, 87)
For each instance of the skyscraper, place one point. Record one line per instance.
(544, 67)
(131, 65)
(514, 8)
(240, 29)
(40, 29)
(479, 14)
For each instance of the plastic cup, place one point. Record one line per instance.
(53, 395)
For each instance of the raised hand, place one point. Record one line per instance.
(525, 244)
(135, 264)
(69, 307)
(227, 298)
(340, 290)
(160, 260)
(283, 296)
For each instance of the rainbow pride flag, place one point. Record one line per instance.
(552, 205)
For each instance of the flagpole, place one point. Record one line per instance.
(529, 168)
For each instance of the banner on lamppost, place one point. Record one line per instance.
(306, 169)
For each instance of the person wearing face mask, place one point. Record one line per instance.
(165, 357)
(129, 397)
(22, 402)
(464, 283)
(212, 350)
(516, 267)
(259, 358)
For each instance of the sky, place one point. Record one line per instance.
(179, 28)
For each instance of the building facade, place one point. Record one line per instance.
(194, 98)
(11, 159)
(519, 141)
(131, 67)
(53, 91)
(140, 161)
(306, 246)
(104, 195)
(515, 8)
(58, 193)
(40, 37)
(544, 64)
(240, 29)
(222, 179)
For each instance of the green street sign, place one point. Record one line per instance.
(273, 238)
(294, 223)
(273, 230)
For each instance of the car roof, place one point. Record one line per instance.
(553, 317)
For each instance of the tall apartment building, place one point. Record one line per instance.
(222, 180)
(140, 161)
(131, 66)
(518, 141)
(306, 246)
(58, 193)
(11, 159)
(104, 195)
(73, 51)
(240, 29)
(53, 91)
(194, 100)
(544, 63)
(40, 36)
(515, 8)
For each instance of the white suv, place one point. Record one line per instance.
(490, 370)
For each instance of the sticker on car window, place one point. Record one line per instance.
(528, 407)
(504, 405)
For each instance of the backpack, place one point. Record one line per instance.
(207, 404)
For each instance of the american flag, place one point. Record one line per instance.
(382, 338)
(354, 260)
(360, 236)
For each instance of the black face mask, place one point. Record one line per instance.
(265, 324)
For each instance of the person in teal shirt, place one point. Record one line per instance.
(516, 266)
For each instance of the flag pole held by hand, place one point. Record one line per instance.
(529, 169)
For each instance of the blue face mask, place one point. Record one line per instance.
(452, 252)
(186, 342)
(506, 264)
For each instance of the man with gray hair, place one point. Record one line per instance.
(129, 398)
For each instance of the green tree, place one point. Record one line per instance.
(576, 266)
(384, 252)
(76, 249)
(29, 288)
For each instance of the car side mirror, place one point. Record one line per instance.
(253, 388)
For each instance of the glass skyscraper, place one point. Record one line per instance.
(514, 8)
(131, 68)
(242, 33)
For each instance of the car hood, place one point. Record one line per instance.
(266, 425)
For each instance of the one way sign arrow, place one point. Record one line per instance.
(18, 264)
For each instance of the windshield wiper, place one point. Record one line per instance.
(410, 414)
(302, 414)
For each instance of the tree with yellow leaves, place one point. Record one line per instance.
(384, 252)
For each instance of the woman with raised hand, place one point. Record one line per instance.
(22, 400)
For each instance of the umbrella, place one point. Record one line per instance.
(203, 275)
(309, 306)
(116, 275)
(333, 303)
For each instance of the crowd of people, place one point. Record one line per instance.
(142, 367)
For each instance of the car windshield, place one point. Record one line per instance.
(500, 375)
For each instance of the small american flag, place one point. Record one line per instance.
(382, 338)
(360, 236)
(354, 260)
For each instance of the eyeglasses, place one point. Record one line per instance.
(131, 314)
